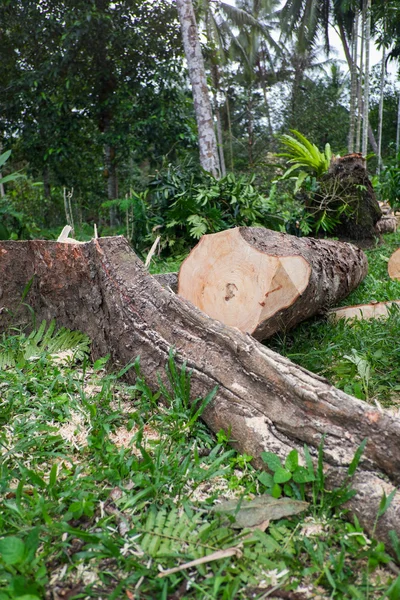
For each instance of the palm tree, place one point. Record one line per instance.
(367, 42)
(233, 32)
(310, 18)
(209, 158)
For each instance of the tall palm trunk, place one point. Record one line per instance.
(398, 128)
(353, 92)
(228, 117)
(220, 138)
(2, 192)
(366, 78)
(360, 85)
(349, 60)
(250, 126)
(380, 125)
(209, 159)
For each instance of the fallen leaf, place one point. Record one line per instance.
(250, 513)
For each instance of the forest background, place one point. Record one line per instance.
(96, 109)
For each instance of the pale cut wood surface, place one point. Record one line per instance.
(262, 281)
(373, 310)
(394, 265)
(233, 282)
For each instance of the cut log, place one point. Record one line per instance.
(262, 281)
(388, 224)
(373, 310)
(394, 265)
(266, 401)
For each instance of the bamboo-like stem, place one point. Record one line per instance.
(366, 79)
(360, 86)
(353, 93)
(380, 125)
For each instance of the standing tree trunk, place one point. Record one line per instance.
(2, 192)
(380, 125)
(367, 36)
(216, 88)
(250, 126)
(112, 180)
(349, 60)
(353, 92)
(398, 127)
(209, 159)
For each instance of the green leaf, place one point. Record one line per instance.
(302, 475)
(266, 479)
(12, 550)
(4, 157)
(272, 460)
(386, 502)
(356, 459)
(281, 475)
(292, 461)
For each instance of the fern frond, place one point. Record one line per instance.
(44, 340)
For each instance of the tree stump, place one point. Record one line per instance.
(347, 185)
(262, 281)
(266, 401)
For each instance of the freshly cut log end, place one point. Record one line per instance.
(233, 282)
(394, 265)
(373, 310)
(262, 281)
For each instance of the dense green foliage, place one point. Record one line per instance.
(98, 106)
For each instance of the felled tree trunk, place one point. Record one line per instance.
(388, 224)
(262, 281)
(267, 402)
(394, 265)
(347, 184)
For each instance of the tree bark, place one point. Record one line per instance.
(366, 79)
(269, 403)
(112, 180)
(347, 183)
(354, 78)
(381, 97)
(207, 142)
(262, 281)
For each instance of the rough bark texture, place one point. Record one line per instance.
(262, 281)
(269, 403)
(347, 182)
(386, 224)
(207, 142)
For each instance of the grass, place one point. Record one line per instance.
(360, 357)
(105, 484)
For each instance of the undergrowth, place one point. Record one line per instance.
(105, 485)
